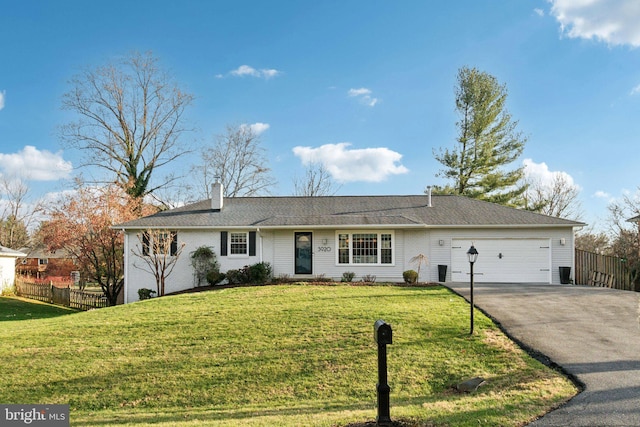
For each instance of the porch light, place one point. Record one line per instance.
(472, 253)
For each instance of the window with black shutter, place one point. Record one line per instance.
(174, 243)
(252, 243)
(237, 243)
(145, 243)
(223, 243)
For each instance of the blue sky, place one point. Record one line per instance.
(365, 86)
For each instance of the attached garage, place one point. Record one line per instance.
(503, 260)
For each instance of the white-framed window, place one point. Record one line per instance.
(159, 243)
(43, 261)
(238, 243)
(365, 247)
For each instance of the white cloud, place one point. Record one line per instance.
(540, 172)
(602, 195)
(2, 99)
(256, 128)
(539, 12)
(359, 92)
(36, 165)
(364, 96)
(269, 73)
(635, 90)
(614, 22)
(353, 165)
(246, 70)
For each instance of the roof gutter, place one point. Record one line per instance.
(351, 226)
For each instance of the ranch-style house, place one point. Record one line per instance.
(306, 237)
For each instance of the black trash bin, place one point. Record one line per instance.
(442, 273)
(565, 275)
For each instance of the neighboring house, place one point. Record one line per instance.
(8, 267)
(304, 237)
(40, 263)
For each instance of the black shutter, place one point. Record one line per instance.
(174, 243)
(145, 243)
(252, 243)
(223, 243)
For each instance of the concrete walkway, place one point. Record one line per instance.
(592, 333)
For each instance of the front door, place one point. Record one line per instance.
(304, 255)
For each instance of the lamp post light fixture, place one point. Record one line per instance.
(472, 253)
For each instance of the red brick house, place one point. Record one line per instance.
(41, 263)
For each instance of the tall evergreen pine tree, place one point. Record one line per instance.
(487, 142)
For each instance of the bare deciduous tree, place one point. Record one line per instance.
(18, 214)
(316, 182)
(238, 160)
(159, 250)
(625, 231)
(130, 120)
(592, 241)
(558, 198)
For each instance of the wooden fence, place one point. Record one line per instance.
(602, 270)
(62, 296)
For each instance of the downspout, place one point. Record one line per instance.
(126, 267)
(260, 253)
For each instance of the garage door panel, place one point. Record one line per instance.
(503, 260)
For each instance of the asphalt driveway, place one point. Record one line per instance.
(592, 333)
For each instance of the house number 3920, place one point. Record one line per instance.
(324, 248)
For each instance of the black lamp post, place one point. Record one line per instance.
(472, 253)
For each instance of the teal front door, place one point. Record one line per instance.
(304, 254)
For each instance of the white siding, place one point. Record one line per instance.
(7, 272)
(282, 261)
(325, 256)
(277, 248)
(415, 242)
(138, 275)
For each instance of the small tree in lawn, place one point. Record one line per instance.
(159, 250)
(419, 260)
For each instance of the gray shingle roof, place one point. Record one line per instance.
(7, 252)
(344, 211)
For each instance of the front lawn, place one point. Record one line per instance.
(274, 355)
(16, 308)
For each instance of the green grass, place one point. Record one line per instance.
(15, 308)
(274, 355)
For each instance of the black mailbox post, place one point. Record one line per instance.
(382, 334)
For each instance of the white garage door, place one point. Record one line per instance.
(503, 260)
